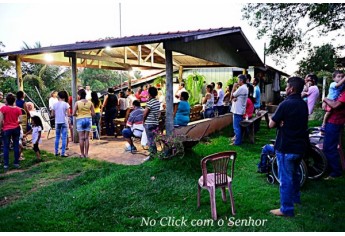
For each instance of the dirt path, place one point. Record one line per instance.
(109, 149)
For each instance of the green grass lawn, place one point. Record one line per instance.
(87, 195)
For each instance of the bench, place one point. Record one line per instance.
(195, 113)
(250, 123)
(212, 124)
(183, 131)
(194, 116)
(120, 123)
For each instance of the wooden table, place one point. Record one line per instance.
(250, 123)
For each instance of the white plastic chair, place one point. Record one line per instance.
(94, 130)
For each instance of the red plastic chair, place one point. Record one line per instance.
(219, 178)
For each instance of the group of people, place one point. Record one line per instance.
(116, 106)
(291, 121)
(11, 121)
(143, 123)
(87, 112)
(244, 100)
(11, 118)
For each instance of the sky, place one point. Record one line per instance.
(64, 22)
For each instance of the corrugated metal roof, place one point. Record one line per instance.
(130, 40)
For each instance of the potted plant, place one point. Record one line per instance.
(159, 82)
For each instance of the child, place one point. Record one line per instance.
(122, 105)
(36, 131)
(21, 147)
(334, 91)
(267, 150)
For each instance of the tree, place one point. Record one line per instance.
(319, 59)
(4, 65)
(100, 79)
(27, 46)
(7, 83)
(46, 78)
(90, 76)
(290, 26)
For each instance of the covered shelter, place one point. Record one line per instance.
(169, 51)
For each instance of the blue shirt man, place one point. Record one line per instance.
(257, 93)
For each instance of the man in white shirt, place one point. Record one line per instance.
(88, 92)
(180, 89)
(53, 99)
(218, 107)
(130, 98)
(61, 113)
(238, 108)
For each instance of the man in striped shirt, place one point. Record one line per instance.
(151, 115)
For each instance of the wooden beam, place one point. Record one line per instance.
(20, 85)
(161, 54)
(74, 94)
(153, 49)
(202, 64)
(38, 61)
(125, 55)
(99, 52)
(97, 58)
(134, 53)
(118, 60)
(139, 55)
(180, 72)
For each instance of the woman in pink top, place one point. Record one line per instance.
(10, 118)
(144, 95)
(313, 92)
(249, 109)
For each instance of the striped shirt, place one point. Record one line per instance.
(136, 117)
(136, 120)
(152, 118)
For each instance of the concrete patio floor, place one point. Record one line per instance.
(109, 149)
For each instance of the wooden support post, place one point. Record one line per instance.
(139, 55)
(244, 71)
(129, 83)
(125, 56)
(19, 73)
(180, 72)
(323, 87)
(74, 94)
(169, 121)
